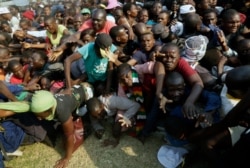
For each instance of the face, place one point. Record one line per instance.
(6, 28)
(213, 3)
(36, 61)
(127, 79)
(45, 84)
(205, 4)
(147, 42)
(44, 115)
(143, 16)
(171, 58)
(77, 22)
(123, 36)
(86, 16)
(17, 71)
(175, 92)
(99, 113)
(98, 21)
(157, 8)
(13, 11)
(133, 11)
(24, 26)
(50, 26)
(232, 24)
(47, 11)
(163, 18)
(87, 38)
(210, 19)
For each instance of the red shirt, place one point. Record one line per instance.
(88, 24)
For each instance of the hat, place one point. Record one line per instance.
(43, 100)
(85, 10)
(170, 156)
(113, 4)
(103, 40)
(29, 14)
(195, 48)
(185, 9)
(4, 10)
(160, 29)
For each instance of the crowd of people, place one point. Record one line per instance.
(180, 65)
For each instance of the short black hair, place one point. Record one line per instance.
(123, 69)
(93, 104)
(114, 31)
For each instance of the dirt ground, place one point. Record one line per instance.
(130, 153)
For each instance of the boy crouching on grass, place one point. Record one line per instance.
(121, 108)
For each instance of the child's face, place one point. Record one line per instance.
(87, 38)
(45, 84)
(18, 71)
(127, 79)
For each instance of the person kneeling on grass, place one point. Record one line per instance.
(62, 107)
(121, 108)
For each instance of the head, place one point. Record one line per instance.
(130, 10)
(209, 17)
(4, 54)
(160, 31)
(124, 74)
(47, 10)
(185, 10)
(5, 26)
(5, 39)
(88, 35)
(140, 28)
(175, 86)
(172, 56)
(243, 49)
(96, 108)
(118, 12)
(164, 18)
(193, 23)
(103, 41)
(45, 83)
(203, 4)
(14, 10)
(147, 41)
(98, 19)
(78, 21)
(85, 12)
(143, 16)
(230, 21)
(156, 8)
(195, 48)
(16, 68)
(43, 105)
(5, 13)
(51, 25)
(119, 34)
(38, 60)
(25, 24)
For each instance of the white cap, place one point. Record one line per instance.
(184, 9)
(4, 10)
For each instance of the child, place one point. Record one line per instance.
(18, 71)
(112, 106)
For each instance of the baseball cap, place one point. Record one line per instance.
(185, 9)
(85, 10)
(113, 4)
